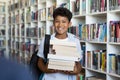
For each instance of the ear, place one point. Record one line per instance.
(70, 23)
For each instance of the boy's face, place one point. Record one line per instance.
(61, 25)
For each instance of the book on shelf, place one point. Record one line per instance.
(2, 20)
(114, 4)
(96, 59)
(89, 59)
(22, 17)
(114, 63)
(118, 64)
(95, 78)
(2, 43)
(112, 30)
(17, 45)
(22, 29)
(50, 12)
(42, 15)
(83, 32)
(83, 7)
(33, 2)
(82, 61)
(52, 29)
(2, 8)
(32, 32)
(41, 31)
(76, 7)
(2, 32)
(34, 15)
(93, 32)
(28, 13)
(118, 32)
(97, 6)
(115, 31)
(103, 60)
(73, 30)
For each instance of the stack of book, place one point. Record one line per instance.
(62, 55)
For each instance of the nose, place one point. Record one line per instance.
(60, 24)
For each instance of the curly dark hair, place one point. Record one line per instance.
(61, 11)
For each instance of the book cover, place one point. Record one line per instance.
(103, 65)
(118, 31)
(95, 59)
(83, 6)
(118, 64)
(89, 59)
(112, 63)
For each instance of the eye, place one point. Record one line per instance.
(56, 21)
(63, 21)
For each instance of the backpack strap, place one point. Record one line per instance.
(46, 45)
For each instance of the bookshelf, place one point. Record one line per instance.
(23, 29)
(96, 23)
(3, 29)
(104, 14)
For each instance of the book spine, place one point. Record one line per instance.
(51, 56)
(118, 64)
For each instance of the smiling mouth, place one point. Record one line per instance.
(60, 29)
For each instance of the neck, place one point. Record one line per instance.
(61, 36)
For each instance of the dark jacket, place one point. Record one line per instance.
(10, 70)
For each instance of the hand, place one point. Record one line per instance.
(66, 72)
(77, 68)
(53, 70)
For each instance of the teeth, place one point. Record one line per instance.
(59, 28)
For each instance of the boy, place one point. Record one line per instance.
(62, 21)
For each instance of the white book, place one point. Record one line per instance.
(57, 67)
(61, 62)
(59, 57)
(67, 54)
(73, 54)
(64, 43)
(72, 48)
(66, 50)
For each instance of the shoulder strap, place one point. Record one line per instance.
(46, 45)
